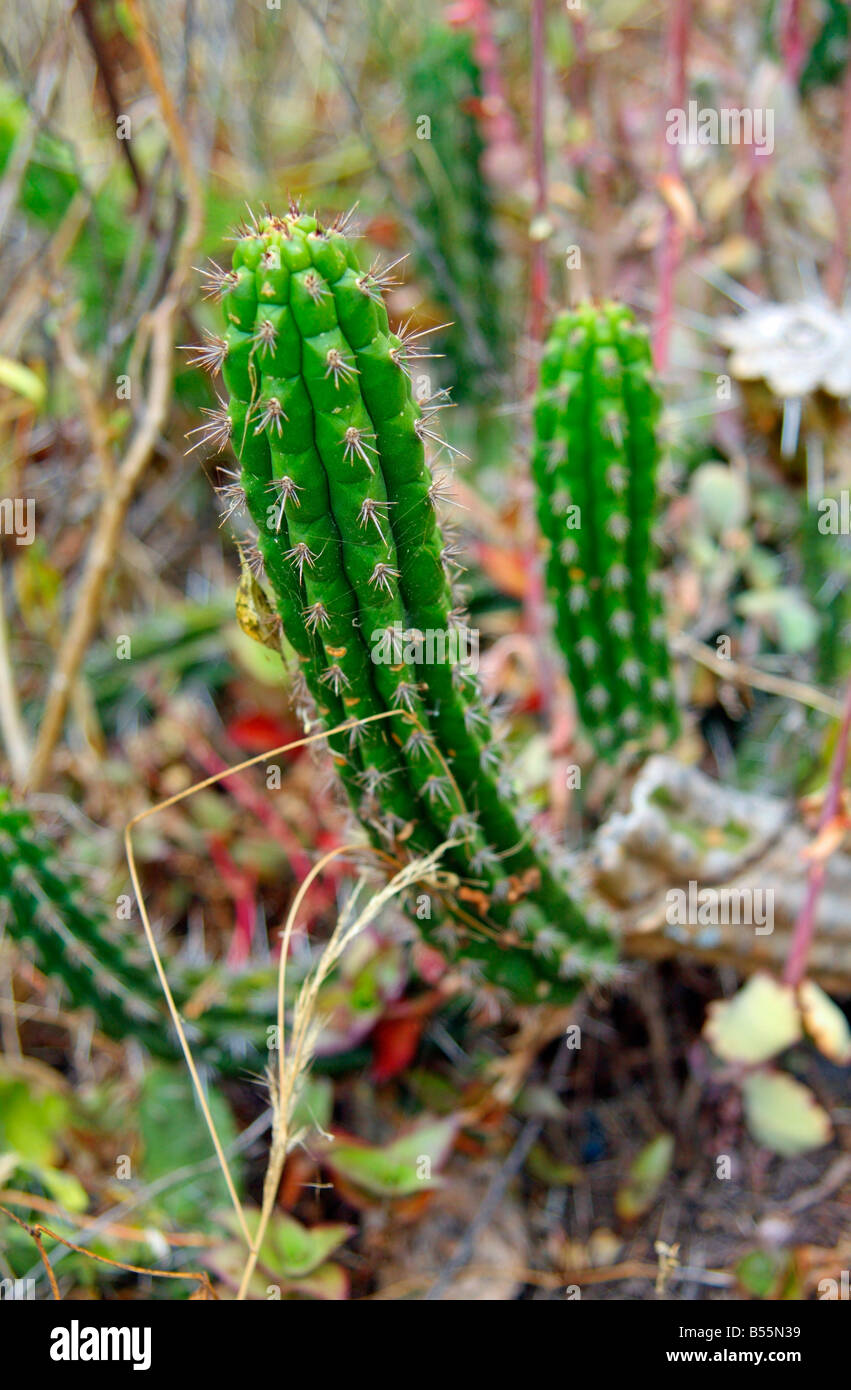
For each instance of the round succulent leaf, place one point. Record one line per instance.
(783, 1115)
(825, 1022)
(758, 1022)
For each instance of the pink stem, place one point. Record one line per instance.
(538, 296)
(241, 887)
(539, 269)
(792, 44)
(802, 937)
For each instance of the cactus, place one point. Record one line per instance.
(594, 466)
(453, 204)
(104, 967)
(333, 469)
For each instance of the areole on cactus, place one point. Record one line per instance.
(333, 469)
(594, 465)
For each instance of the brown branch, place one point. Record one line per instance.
(84, 10)
(37, 1231)
(114, 507)
(738, 673)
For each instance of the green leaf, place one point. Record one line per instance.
(22, 381)
(786, 616)
(646, 1175)
(292, 1255)
(758, 1022)
(783, 1115)
(825, 1022)
(721, 496)
(762, 1272)
(399, 1169)
(31, 1120)
(174, 1136)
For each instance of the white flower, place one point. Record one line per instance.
(794, 348)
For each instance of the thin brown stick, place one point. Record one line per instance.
(739, 673)
(154, 950)
(37, 1231)
(12, 728)
(117, 1229)
(113, 511)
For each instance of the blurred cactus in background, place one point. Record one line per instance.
(594, 465)
(453, 204)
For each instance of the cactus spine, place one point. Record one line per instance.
(594, 465)
(331, 446)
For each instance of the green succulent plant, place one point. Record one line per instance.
(334, 472)
(594, 465)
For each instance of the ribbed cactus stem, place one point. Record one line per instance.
(594, 465)
(332, 452)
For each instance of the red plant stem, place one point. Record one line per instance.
(538, 296)
(670, 245)
(802, 937)
(539, 267)
(243, 791)
(792, 44)
(241, 886)
(505, 158)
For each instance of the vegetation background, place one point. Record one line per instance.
(438, 1146)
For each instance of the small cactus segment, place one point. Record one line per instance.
(332, 449)
(594, 465)
(454, 205)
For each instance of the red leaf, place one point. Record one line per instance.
(395, 1043)
(259, 732)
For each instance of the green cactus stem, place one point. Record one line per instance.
(454, 205)
(334, 473)
(594, 465)
(101, 965)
